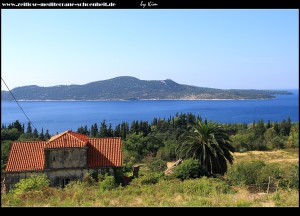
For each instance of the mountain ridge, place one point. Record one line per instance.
(132, 88)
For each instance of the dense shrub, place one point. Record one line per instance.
(107, 183)
(245, 173)
(5, 149)
(147, 179)
(290, 176)
(189, 168)
(34, 183)
(158, 165)
(258, 173)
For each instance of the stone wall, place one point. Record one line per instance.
(65, 158)
(13, 178)
(58, 177)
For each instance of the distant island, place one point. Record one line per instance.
(131, 88)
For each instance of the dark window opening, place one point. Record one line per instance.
(53, 158)
(64, 182)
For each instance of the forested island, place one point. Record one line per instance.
(131, 88)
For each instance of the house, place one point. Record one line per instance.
(65, 157)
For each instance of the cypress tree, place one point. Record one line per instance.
(42, 136)
(29, 129)
(35, 133)
(47, 135)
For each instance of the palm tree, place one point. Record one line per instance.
(210, 144)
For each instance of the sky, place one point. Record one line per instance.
(226, 49)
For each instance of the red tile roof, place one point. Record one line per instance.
(29, 156)
(104, 152)
(26, 156)
(67, 139)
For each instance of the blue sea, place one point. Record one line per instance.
(58, 116)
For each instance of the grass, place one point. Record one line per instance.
(288, 155)
(216, 192)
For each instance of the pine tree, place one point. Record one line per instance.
(103, 129)
(117, 131)
(35, 133)
(260, 129)
(17, 125)
(47, 135)
(94, 130)
(276, 128)
(23, 129)
(42, 136)
(110, 131)
(29, 129)
(85, 130)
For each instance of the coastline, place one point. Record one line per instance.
(120, 100)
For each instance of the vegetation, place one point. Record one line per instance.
(190, 168)
(35, 183)
(131, 88)
(155, 189)
(144, 142)
(210, 144)
(264, 151)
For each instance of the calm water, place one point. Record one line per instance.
(65, 115)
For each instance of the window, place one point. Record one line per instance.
(53, 158)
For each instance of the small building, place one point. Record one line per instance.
(65, 157)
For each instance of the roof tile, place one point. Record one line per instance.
(26, 156)
(104, 152)
(29, 156)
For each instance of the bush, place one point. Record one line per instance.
(206, 186)
(88, 179)
(258, 173)
(34, 183)
(147, 179)
(107, 182)
(290, 176)
(158, 165)
(189, 168)
(245, 173)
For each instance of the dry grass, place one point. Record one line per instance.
(289, 156)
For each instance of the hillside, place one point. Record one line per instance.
(168, 192)
(131, 88)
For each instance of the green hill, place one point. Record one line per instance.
(131, 88)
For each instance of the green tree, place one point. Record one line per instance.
(136, 143)
(29, 129)
(189, 168)
(103, 129)
(293, 140)
(47, 135)
(276, 128)
(94, 130)
(42, 136)
(110, 131)
(10, 134)
(259, 129)
(35, 133)
(16, 125)
(210, 144)
(285, 127)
